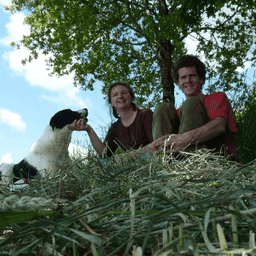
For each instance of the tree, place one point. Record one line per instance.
(137, 41)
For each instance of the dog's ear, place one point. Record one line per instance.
(57, 121)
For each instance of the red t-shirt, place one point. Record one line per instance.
(217, 105)
(138, 134)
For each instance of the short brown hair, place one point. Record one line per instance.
(134, 107)
(187, 61)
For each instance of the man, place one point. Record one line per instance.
(203, 121)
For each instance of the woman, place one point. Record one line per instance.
(132, 130)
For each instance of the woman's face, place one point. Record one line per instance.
(120, 97)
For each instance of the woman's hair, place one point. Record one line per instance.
(134, 107)
(187, 61)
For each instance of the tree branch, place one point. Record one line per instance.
(133, 19)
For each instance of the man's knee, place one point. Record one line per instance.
(192, 104)
(165, 120)
(192, 101)
(162, 108)
(193, 115)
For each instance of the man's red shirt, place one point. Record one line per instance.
(217, 105)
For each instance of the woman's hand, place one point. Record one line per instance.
(79, 125)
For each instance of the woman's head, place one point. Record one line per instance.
(115, 90)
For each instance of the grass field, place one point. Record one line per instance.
(202, 204)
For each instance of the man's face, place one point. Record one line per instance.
(189, 81)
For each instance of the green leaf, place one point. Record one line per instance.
(222, 239)
(206, 219)
(92, 238)
(11, 217)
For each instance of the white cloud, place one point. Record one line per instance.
(36, 72)
(191, 44)
(247, 65)
(12, 119)
(65, 98)
(7, 158)
(6, 2)
(15, 29)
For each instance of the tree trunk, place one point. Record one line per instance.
(165, 60)
(166, 68)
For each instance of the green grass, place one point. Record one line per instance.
(201, 205)
(246, 125)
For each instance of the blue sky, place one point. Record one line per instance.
(29, 97)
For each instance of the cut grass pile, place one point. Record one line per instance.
(202, 204)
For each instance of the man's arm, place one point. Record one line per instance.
(208, 131)
(202, 134)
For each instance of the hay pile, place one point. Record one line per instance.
(196, 205)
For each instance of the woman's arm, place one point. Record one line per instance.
(97, 144)
(78, 125)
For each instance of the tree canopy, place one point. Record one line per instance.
(137, 41)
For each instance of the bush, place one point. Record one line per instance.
(246, 124)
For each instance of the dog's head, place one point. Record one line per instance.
(66, 117)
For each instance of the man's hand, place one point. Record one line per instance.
(177, 142)
(155, 145)
(199, 135)
(171, 142)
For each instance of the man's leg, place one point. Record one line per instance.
(193, 114)
(165, 120)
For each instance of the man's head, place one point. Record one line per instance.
(189, 74)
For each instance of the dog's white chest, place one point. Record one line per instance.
(50, 152)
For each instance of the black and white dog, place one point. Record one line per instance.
(49, 153)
